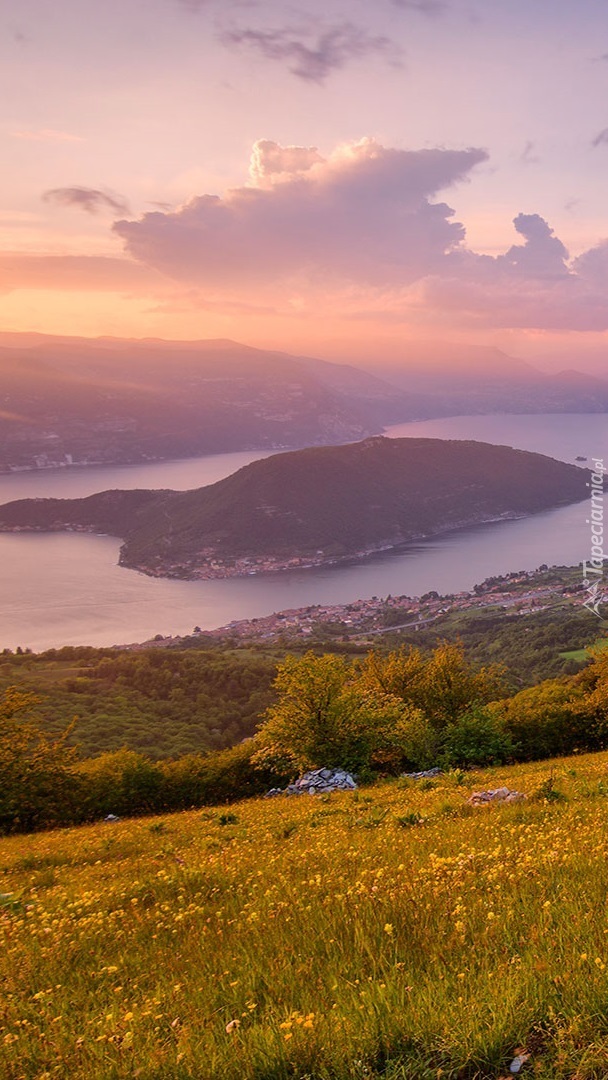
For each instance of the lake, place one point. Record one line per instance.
(58, 589)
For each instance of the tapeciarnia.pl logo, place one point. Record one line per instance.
(593, 569)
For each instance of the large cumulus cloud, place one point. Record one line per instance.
(365, 214)
(364, 228)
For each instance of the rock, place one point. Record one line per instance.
(518, 1062)
(317, 782)
(435, 771)
(111, 817)
(502, 794)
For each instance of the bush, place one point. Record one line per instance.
(329, 714)
(121, 783)
(477, 738)
(549, 719)
(208, 779)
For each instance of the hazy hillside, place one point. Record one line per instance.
(314, 505)
(109, 400)
(118, 401)
(467, 379)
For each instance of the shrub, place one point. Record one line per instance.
(224, 776)
(328, 714)
(121, 783)
(477, 738)
(549, 719)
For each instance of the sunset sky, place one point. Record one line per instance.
(344, 177)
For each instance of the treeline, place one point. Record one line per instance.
(169, 702)
(411, 709)
(530, 646)
(376, 715)
(159, 702)
(43, 784)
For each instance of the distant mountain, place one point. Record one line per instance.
(113, 401)
(465, 379)
(314, 506)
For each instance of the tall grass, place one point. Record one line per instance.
(393, 932)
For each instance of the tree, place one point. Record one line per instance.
(38, 786)
(444, 685)
(327, 716)
(554, 717)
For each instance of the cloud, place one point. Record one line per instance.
(81, 273)
(91, 200)
(363, 215)
(426, 7)
(364, 230)
(527, 156)
(533, 285)
(592, 266)
(542, 255)
(46, 135)
(270, 161)
(601, 139)
(313, 55)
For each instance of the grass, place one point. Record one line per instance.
(394, 932)
(576, 654)
(584, 654)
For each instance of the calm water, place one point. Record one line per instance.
(67, 589)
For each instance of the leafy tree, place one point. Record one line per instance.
(444, 685)
(327, 716)
(554, 717)
(37, 780)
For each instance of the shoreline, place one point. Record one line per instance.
(260, 566)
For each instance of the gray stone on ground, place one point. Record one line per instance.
(501, 794)
(435, 771)
(317, 782)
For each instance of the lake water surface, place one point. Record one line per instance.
(58, 589)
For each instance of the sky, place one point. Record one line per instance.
(346, 178)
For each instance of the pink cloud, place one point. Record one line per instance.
(362, 215)
(91, 200)
(82, 273)
(270, 161)
(533, 285)
(357, 233)
(46, 135)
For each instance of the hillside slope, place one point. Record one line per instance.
(313, 506)
(426, 937)
(82, 401)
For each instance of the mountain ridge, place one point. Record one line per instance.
(78, 401)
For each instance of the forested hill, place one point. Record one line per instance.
(76, 401)
(316, 505)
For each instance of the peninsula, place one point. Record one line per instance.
(313, 507)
